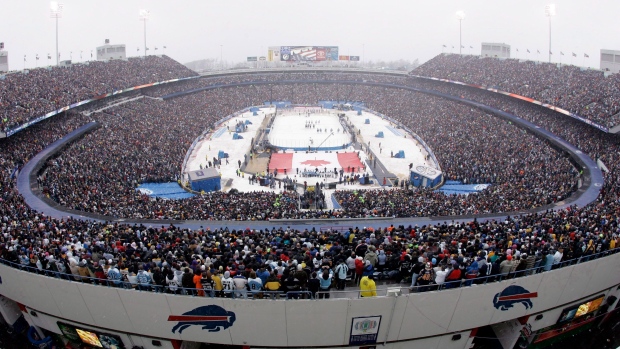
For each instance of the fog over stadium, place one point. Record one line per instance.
(392, 30)
(326, 175)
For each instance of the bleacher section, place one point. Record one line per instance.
(43, 91)
(585, 92)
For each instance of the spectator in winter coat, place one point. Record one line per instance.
(381, 260)
(359, 268)
(506, 266)
(371, 256)
(368, 269)
(368, 287)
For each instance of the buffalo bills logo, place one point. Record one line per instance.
(512, 295)
(211, 317)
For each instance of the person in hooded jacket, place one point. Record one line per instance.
(371, 256)
(381, 260)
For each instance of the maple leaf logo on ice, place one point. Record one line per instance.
(315, 163)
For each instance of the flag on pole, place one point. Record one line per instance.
(445, 46)
(462, 46)
(37, 57)
(471, 47)
(538, 51)
(550, 52)
(49, 56)
(586, 55)
(517, 50)
(562, 53)
(528, 50)
(155, 48)
(574, 54)
(164, 47)
(452, 46)
(24, 58)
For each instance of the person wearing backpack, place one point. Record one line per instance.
(341, 275)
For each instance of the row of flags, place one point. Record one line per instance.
(149, 48)
(585, 55)
(49, 56)
(538, 51)
(461, 46)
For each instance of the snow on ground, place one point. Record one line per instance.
(292, 126)
(236, 149)
(394, 140)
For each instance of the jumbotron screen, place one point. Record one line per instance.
(308, 53)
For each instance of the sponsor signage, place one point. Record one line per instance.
(252, 59)
(343, 58)
(364, 330)
(354, 58)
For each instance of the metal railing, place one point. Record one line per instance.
(386, 290)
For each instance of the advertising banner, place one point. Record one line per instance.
(354, 58)
(343, 58)
(364, 330)
(308, 53)
(252, 59)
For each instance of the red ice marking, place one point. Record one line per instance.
(350, 159)
(281, 161)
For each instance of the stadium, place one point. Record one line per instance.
(159, 207)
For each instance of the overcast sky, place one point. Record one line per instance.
(378, 30)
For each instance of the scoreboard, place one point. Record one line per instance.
(302, 53)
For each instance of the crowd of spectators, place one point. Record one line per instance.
(287, 259)
(28, 94)
(585, 92)
(99, 173)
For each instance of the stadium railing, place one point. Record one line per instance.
(387, 290)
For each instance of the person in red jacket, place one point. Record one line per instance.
(359, 268)
(453, 276)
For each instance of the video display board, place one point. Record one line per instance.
(93, 338)
(308, 53)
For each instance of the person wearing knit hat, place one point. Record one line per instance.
(228, 285)
(506, 266)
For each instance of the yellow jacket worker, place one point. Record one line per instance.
(368, 287)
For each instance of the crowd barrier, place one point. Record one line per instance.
(384, 290)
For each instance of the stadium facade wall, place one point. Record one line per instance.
(429, 317)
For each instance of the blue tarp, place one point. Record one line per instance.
(336, 203)
(170, 190)
(457, 187)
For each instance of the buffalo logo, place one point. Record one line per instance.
(511, 295)
(211, 317)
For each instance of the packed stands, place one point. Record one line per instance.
(585, 92)
(471, 145)
(33, 93)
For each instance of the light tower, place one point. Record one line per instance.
(550, 12)
(144, 16)
(460, 15)
(56, 12)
